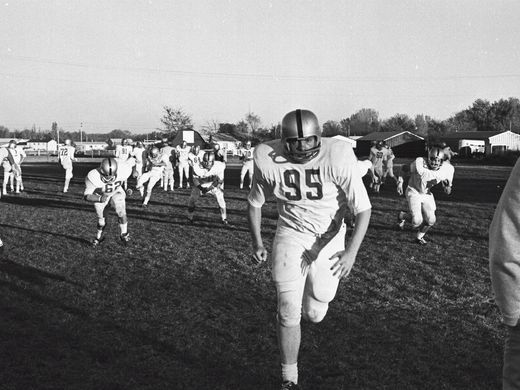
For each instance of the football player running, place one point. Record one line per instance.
(208, 178)
(246, 155)
(184, 167)
(155, 163)
(388, 164)
(314, 180)
(66, 157)
(424, 174)
(104, 185)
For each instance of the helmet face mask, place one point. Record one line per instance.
(435, 158)
(301, 136)
(208, 160)
(379, 145)
(154, 152)
(108, 170)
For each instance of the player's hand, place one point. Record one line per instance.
(400, 189)
(447, 190)
(259, 254)
(104, 198)
(343, 262)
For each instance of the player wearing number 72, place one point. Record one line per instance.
(103, 185)
(315, 181)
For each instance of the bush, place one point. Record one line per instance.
(509, 158)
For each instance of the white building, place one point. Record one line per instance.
(48, 146)
(483, 141)
(350, 140)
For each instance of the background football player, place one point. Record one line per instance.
(12, 169)
(155, 163)
(378, 154)
(183, 164)
(424, 174)
(104, 185)
(208, 178)
(139, 153)
(170, 158)
(66, 157)
(246, 155)
(123, 153)
(388, 164)
(314, 181)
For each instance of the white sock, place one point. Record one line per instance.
(290, 372)
(420, 235)
(123, 227)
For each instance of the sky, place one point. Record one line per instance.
(104, 65)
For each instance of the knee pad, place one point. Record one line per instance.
(315, 311)
(289, 314)
(430, 220)
(101, 224)
(416, 221)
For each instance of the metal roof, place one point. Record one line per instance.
(477, 135)
(386, 135)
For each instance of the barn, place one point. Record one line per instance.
(488, 142)
(191, 137)
(350, 140)
(403, 143)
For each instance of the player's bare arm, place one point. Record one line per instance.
(344, 260)
(255, 222)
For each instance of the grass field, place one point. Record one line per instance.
(182, 307)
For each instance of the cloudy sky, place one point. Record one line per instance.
(115, 64)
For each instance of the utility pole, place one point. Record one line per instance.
(80, 133)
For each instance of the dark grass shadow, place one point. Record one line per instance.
(69, 237)
(31, 274)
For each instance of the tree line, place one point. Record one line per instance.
(482, 115)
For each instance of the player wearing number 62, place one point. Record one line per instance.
(315, 181)
(104, 185)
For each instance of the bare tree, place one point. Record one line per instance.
(175, 119)
(210, 128)
(253, 121)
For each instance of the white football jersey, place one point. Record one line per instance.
(3, 154)
(66, 153)
(422, 178)
(378, 156)
(168, 152)
(195, 159)
(247, 154)
(312, 196)
(138, 153)
(205, 177)
(93, 180)
(183, 153)
(123, 152)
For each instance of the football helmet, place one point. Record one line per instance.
(248, 145)
(139, 144)
(208, 160)
(125, 142)
(196, 149)
(108, 170)
(301, 135)
(154, 152)
(435, 158)
(379, 145)
(12, 144)
(68, 142)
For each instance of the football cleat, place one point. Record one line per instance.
(420, 241)
(97, 241)
(144, 205)
(1, 246)
(225, 222)
(125, 237)
(288, 385)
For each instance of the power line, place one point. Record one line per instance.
(263, 76)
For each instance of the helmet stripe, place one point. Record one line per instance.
(110, 166)
(299, 124)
